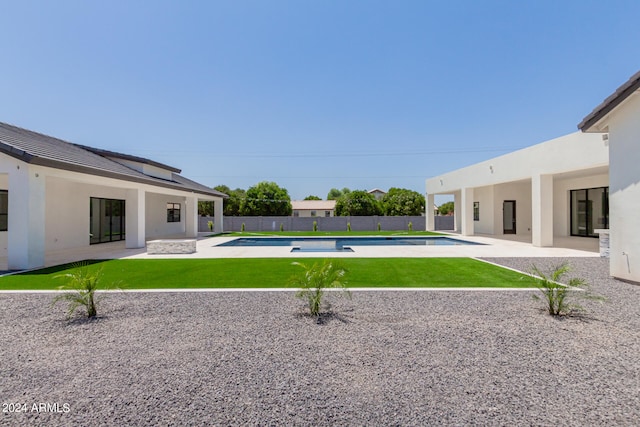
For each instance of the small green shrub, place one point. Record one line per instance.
(410, 226)
(82, 283)
(210, 225)
(348, 226)
(315, 280)
(379, 227)
(242, 227)
(315, 225)
(555, 294)
(281, 227)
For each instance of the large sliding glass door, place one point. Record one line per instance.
(106, 220)
(589, 211)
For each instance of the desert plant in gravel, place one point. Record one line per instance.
(556, 294)
(80, 289)
(314, 280)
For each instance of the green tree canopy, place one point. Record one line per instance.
(231, 205)
(358, 203)
(312, 198)
(266, 198)
(205, 208)
(401, 202)
(446, 208)
(334, 193)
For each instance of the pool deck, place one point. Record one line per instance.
(493, 246)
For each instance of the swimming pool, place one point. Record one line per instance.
(343, 244)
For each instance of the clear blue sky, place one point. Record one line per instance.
(312, 94)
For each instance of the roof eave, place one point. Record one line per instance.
(16, 153)
(609, 104)
(107, 174)
(114, 154)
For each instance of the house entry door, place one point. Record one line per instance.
(509, 217)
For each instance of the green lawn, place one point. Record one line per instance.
(276, 272)
(332, 233)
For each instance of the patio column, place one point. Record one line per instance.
(457, 211)
(431, 206)
(542, 210)
(191, 216)
(466, 211)
(218, 213)
(26, 218)
(135, 219)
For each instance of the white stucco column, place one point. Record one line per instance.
(542, 210)
(466, 211)
(135, 219)
(457, 211)
(26, 218)
(218, 213)
(191, 217)
(431, 206)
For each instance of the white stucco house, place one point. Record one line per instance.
(555, 188)
(619, 116)
(55, 195)
(313, 208)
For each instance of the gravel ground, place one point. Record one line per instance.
(384, 358)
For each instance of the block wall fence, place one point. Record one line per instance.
(337, 223)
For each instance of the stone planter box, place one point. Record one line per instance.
(171, 246)
(603, 235)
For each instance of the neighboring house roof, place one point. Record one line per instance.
(615, 99)
(377, 190)
(313, 205)
(38, 149)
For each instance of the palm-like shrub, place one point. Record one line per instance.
(315, 279)
(80, 289)
(555, 294)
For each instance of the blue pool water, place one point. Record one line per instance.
(340, 244)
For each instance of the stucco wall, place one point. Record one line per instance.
(156, 215)
(576, 151)
(304, 213)
(624, 189)
(67, 211)
(485, 196)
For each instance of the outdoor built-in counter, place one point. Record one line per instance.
(603, 234)
(171, 246)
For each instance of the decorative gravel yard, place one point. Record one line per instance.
(385, 358)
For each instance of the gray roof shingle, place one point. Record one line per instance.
(38, 149)
(612, 101)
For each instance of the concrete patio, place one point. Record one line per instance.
(507, 246)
